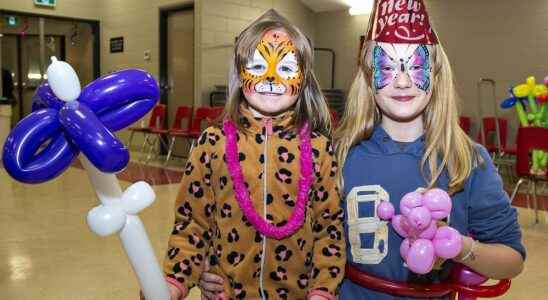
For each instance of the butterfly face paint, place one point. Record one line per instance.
(417, 66)
(274, 68)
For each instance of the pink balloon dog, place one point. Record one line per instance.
(424, 240)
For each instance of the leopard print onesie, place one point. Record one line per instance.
(209, 223)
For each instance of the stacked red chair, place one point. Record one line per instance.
(528, 139)
(178, 130)
(156, 121)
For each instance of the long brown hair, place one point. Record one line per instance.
(311, 106)
(447, 145)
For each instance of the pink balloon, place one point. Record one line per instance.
(546, 81)
(438, 202)
(419, 218)
(420, 258)
(410, 201)
(404, 248)
(429, 232)
(400, 225)
(447, 242)
(385, 210)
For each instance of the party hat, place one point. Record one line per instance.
(401, 22)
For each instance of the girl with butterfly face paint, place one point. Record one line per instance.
(400, 132)
(259, 210)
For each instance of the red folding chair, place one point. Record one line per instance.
(502, 151)
(177, 129)
(201, 114)
(465, 123)
(156, 134)
(214, 113)
(529, 138)
(334, 116)
(157, 118)
(489, 128)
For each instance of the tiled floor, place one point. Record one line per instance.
(47, 251)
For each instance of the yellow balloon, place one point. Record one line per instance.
(531, 82)
(539, 90)
(521, 90)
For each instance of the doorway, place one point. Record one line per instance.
(177, 64)
(26, 53)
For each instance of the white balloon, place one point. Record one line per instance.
(137, 197)
(63, 80)
(106, 219)
(118, 214)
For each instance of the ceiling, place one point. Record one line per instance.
(326, 5)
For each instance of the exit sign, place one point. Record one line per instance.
(12, 21)
(49, 3)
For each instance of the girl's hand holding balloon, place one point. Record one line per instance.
(424, 240)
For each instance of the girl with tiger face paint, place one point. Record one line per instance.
(261, 188)
(272, 73)
(271, 80)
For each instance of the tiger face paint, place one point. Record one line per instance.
(274, 67)
(272, 78)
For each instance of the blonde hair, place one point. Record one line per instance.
(311, 106)
(447, 145)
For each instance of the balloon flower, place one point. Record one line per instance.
(531, 90)
(537, 98)
(424, 241)
(66, 121)
(519, 104)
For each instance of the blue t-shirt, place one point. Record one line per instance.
(378, 168)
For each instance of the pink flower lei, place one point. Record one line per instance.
(296, 219)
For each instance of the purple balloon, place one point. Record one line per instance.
(109, 103)
(121, 98)
(45, 98)
(22, 158)
(99, 145)
(385, 210)
(420, 258)
(467, 276)
(131, 112)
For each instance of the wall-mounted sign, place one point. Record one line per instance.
(117, 44)
(12, 21)
(48, 3)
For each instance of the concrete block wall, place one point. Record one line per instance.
(506, 40)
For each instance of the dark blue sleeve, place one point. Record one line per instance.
(492, 219)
